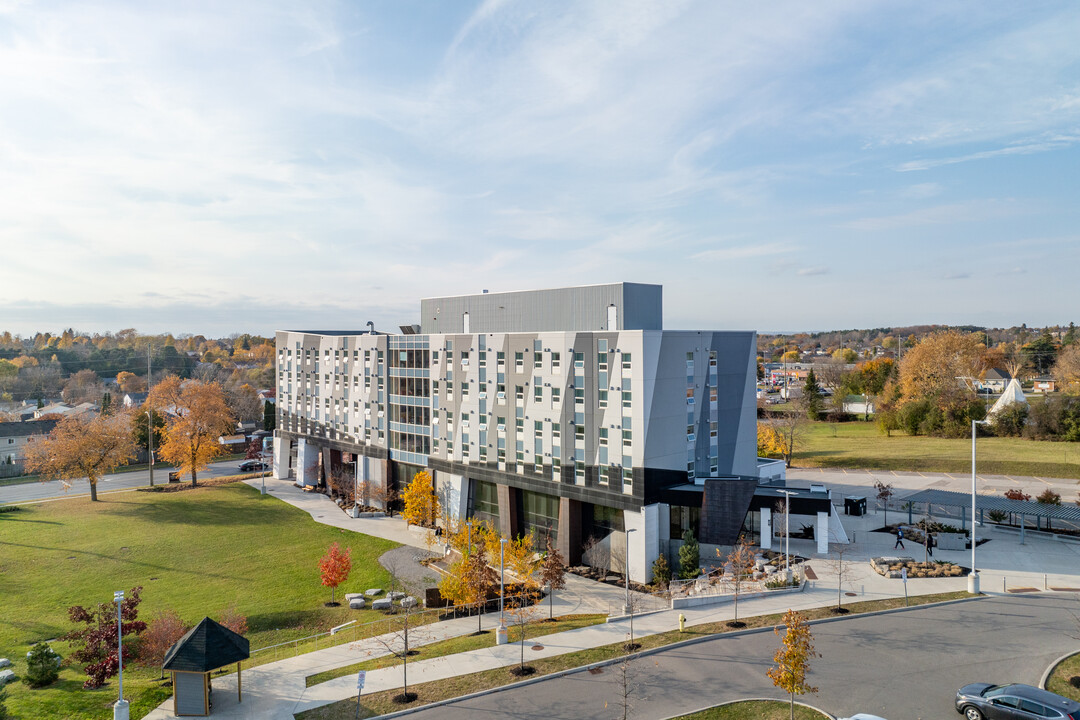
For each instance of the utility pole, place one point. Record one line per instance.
(149, 420)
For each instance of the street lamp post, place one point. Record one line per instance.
(150, 442)
(787, 534)
(120, 709)
(502, 579)
(973, 577)
(626, 569)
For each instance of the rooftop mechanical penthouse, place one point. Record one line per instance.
(570, 412)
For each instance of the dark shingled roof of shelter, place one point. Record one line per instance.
(206, 647)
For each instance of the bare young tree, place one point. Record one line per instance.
(739, 562)
(522, 614)
(791, 426)
(840, 568)
(396, 643)
(884, 493)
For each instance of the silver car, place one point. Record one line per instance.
(983, 701)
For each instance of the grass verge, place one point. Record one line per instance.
(464, 643)
(755, 710)
(1059, 680)
(382, 703)
(197, 551)
(860, 445)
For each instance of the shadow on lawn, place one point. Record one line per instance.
(197, 511)
(116, 558)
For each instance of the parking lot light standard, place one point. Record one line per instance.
(120, 709)
(973, 576)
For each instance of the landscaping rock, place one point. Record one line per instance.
(372, 592)
(382, 604)
(395, 595)
(4, 662)
(357, 603)
(6, 676)
(408, 602)
(352, 596)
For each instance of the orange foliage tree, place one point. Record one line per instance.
(197, 416)
(83, 448)
(334, 568)
(161, 632)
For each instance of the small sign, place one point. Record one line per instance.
(903, 575)
(360, 677)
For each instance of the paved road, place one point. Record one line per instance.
(29, 492)
(903, 666)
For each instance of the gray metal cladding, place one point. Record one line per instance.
(575, 309)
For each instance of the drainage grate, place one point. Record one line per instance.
(596, 671)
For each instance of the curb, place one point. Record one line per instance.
(733, 702)
(653, 651)
(1053, 666)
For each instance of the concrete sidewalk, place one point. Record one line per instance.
(278, 690)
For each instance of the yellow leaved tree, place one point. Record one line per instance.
(82, 448)
(197, 415)
(421, 504)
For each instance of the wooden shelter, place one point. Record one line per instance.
(205, 648)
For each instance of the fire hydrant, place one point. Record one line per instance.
(682, 622)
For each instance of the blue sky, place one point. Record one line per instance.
(251, 166)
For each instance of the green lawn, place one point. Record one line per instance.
(860, 445)
(1059, 680)
(196, 551)
(755, 710)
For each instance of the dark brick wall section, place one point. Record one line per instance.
(724, 507)
(509, 506)
(569, 538)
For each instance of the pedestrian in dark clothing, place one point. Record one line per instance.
(899, 539)
(929, 544)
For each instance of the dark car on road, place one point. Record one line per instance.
(981, 701)
(252, 466)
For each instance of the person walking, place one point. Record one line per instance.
(899, 539)
(929, 544)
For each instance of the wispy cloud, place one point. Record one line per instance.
(940, 215)
(809, 271)
(1058, 143)
(742, 252)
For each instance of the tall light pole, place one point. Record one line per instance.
(120, 709)
(150, 442)
(973, 577)
(626, 569)
(787, 534)
(502, 579)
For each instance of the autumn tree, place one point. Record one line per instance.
(130, 382)
(164, 629)
(334, 569)
(1067, 368)
(769, 441)
(793, 658)
(243, 401)
(936, 381)
(477, 580)
(82, 448)
(83, 386)
(553, 574)
(790, 427)
(421, 504)
(96, 640)
(521, 559)
(233, 619)
(739, 563)
(198, 415)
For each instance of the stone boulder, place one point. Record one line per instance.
(408, 602)
(357, 603)
(352, 596)
(372, 592)
(6, 676)
(395, 595)
(4, 662)
(382, 604)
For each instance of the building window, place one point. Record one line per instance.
(464, 391)
(538, 390)
(556, 432)
(579, 360)
(556, 396)
(627, 437)
(519, 361)
(555, 361)
(519, 392)
(626, 361)
(538, 428)
(601, 398)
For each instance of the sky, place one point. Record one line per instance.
(251, 166)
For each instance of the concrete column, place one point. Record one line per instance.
(822, 533)
(307, 463)
(569, 540)
(509, 522)
(281, 458)
(452, 494)
(766, 528)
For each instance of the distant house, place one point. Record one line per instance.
(56, 408)
(134, 399)
(858, 405)
(995, 380)
(14, 438)
(268, 395)
(233, 443)
(1044, 384)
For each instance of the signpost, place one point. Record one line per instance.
(903, 576)
(360, 677)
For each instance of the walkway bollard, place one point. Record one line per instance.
(1003, 584)
(682, 622)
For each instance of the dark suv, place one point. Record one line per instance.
(981, 701)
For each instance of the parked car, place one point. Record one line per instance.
(983, 701)
(863, 716)
(252, 466)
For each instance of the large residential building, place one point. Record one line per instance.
(568, 412)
